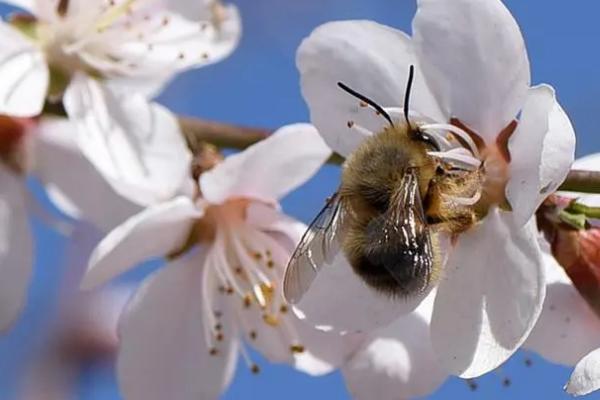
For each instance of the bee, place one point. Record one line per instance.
(387, 214)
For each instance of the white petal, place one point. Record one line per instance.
(269, 219)
(542, 150)
(370, 58)
(154, 232)
(137, 146)
(567, 329)
(16, 248)
(156, 44)
(338, 300)
(24, 74)
(325, 351)
(163, 354)
(490, 297)
(586, 376)
(72, 182)
(397, 362)
(269, 169)
(473, 56)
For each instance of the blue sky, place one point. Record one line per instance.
(258, 86)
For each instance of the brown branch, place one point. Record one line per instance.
(582, 181)
(219, 134)
(198, 131)
(223, 135)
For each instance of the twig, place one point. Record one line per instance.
(582, 181)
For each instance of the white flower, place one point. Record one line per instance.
(101, 58)
(568, 329)
(471, 81)
(396, 361)
(182, 332)
(136, 43)
(45, 150)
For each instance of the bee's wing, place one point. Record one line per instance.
(319, 245)
(405, 236)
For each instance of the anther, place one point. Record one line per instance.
(350, 124)
(219, 336)
(205, 56)
(181, 56)
(213, 352)
(229, 290)
(528, 362)
(247, 301)
(165, 21)
(283, 309)
(218, 327)
(271, 319)
(270, 264)
(506, 382)
(297, 349)
(253, 335)
(363, 104)
(254, 369)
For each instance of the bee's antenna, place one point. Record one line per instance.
(367, 100)
(411, 77)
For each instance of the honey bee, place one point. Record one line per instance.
(386, 216)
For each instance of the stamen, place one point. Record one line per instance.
(251, 365)
(222, 265)
(457, 155)
(113, 13)
(364, 131)
(209, 320)
(456, 131)
(464, 201)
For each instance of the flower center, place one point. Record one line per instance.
(245, 265)
(495, 158)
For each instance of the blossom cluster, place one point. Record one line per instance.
(510, 261)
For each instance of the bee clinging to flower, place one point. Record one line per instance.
(395, 198)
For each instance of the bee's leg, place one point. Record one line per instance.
(442, 213)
